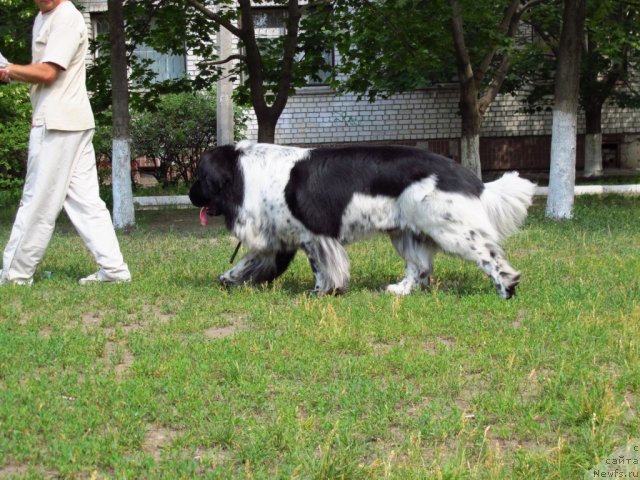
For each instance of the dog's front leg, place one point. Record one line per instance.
(258, 267)
(330, 264)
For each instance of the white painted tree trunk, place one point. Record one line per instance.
(123, 212)
(470, 154)
(224, 104)
(593, 155)
(562, 175)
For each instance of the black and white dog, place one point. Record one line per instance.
(278, 199)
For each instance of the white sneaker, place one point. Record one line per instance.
(100, 277)
(22, 283)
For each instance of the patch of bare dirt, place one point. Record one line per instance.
(126, 358)
(432, 346)
(133, 321)
(157, 438)
(13, 470)
(91, 320)
(380, 349)
(533, 387)
(208, 459)
(45, 332)
(630, 406)
(520, 319)
(237, 324)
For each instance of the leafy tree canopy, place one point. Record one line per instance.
(16, 19)
(391, 47)
(174, 26)
(610, 57)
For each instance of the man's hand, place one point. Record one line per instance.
(4, 75)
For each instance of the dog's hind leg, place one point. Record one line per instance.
(480, 248)
(418, 252)
(330, 264)
(258, 267)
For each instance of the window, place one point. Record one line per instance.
(323, 75)
(269, 18)
(270, 22)
(165, 66)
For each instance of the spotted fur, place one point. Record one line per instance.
(278, 199)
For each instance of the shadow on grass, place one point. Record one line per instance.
(456, 284)
(169, 220)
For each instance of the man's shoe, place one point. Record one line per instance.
(101, 277)
(23, 283)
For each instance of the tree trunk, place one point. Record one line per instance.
(267, 130)
(267, 115)
(471, 117)
(470, 141)
(224, 103)
(123, 212)
(562, 174)
(593, 140)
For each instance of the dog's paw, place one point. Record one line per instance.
(226, 281)
(318, 292)
(507, 288)
(400, 289)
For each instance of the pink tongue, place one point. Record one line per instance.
(203, 216)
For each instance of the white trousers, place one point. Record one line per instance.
(61, 172)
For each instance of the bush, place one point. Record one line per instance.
(15, 124)
(175, 134)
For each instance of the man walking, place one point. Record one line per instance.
(61, 167)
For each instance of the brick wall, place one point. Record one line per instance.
(510, 138)
(318, 116)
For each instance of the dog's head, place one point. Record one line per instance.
(218, 189)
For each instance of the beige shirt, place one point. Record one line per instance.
(60, 37)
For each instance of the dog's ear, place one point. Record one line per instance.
(214, 175)
(197, 194)
(218, 172)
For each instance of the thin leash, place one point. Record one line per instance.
(233, 257)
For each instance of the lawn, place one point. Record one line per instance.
(173, 376)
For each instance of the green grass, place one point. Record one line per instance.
(173, 376)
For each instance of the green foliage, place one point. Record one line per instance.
(385, 50)
(145, 23)
(178, 28)
(388, 51)
(175, 134)
(147, 90)
(15, 124)
(16, 18)
(610, 55)
(315, 39)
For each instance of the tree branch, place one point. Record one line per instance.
(202, 8)
(509, 27)
(528, 5)
(465, 70)
(288, 56)
(506, 26)
(230, 58)
(253, 60)
(494, 87)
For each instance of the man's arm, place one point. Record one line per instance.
(45, 73)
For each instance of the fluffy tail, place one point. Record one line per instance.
(506, 201)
